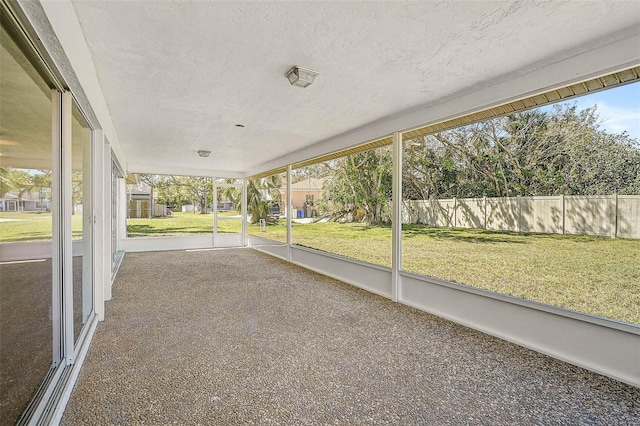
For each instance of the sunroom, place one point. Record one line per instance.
(360, 212)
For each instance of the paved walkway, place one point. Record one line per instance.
(237, 337)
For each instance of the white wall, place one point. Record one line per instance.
(598, 345)
(190, 242)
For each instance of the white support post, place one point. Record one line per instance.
(289, 214)
(66, 212)
(121, 223)
(109, 245)
(396, 219)
(101, 214)
(215, 213)
(89, 181)
(243, 211)
(57, 231)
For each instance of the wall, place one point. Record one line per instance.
(603, 215)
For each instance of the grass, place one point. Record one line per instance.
(596, 275)
(183, 223)
(36, 226)
(273, 231)
(33, 226)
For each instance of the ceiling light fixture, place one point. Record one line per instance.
(203, 153)
(301, 77)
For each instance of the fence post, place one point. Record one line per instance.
(151, 204)
(519, 212)
(485, 212)
(455, 211)
(615, 215)
(563, 212)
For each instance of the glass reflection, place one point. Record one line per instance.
(81, 220)
(25, 230)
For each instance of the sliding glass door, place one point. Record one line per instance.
(82, 221)
(117, 179)
(26, 163)
(46, 227)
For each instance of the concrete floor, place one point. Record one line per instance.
(238, 337)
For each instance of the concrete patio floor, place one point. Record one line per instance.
(238, 337)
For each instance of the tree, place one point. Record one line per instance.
(199, 189)
(176, 191)
(231, 193)
(261, 194)
(23, 180)
(596, 162)
(6, 183)
(318, 171)
(561, 151)
(360, 185)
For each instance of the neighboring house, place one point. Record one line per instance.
(304, 196)
(26, 201)
(226, 204)
(140, 201)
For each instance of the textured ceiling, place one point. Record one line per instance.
(178, 76)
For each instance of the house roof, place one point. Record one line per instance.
(309, 184)
(25, 196)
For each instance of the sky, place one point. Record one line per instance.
(619, 108)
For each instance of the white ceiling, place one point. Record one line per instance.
(178, 76)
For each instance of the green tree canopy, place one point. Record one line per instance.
(177, 191)
(23, 180)
(537, 152)
(561, 151)
(262, 193)
(359, 186)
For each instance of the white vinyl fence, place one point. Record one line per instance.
(604, 215)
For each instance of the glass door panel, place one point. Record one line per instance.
(115, 196)
(81, 221)
(26, 158)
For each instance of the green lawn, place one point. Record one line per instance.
(596, 275)
(273, 231)
(32, 226)
(183, 224)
